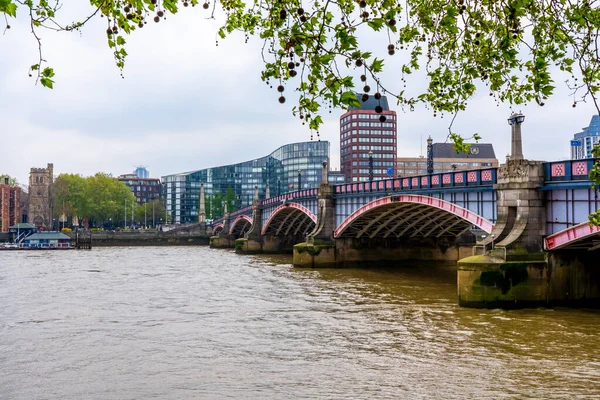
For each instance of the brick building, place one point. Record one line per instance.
(10, 206)
(368, 141)
(144, 189)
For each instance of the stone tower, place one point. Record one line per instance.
(40, 190)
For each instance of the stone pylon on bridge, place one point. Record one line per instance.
(251, 243)
(223, 239)
(202, 210)
(319, 248)
(521, 222)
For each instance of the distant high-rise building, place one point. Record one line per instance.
(144, 189)
(142, 172)
(584, 141)
(368, 141)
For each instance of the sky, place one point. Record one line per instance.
(185, 104)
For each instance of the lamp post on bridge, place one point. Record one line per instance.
(429, 155)
(370, 166)
(299, 179)
(515, 121)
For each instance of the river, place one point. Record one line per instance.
(197, 323)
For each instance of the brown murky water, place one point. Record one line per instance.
(196, 323)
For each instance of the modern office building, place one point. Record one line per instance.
(445, 158)
(584, 141)
(144, 189)
(368, 140)
(289, 168)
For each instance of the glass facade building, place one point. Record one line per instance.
(289, 168)
(584, 141)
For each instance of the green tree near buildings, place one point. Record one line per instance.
(12, 182)
(70, 196)
(214, 205)
(150, 213)
(231, 199)
(99, 198)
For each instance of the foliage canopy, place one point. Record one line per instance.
(513, 48)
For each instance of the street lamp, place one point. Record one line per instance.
(429, 155)
(515, 121)
(299, 179)
(370, 165)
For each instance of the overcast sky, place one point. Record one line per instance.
(186, 104)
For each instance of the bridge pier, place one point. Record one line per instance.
(518, 272)
(352, 252)
(360, 253)
(515, 273)
(273, 244)
(569, 278)
(223, 240)
(319, 249)
(251, 243)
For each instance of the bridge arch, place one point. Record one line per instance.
(290, 219)
(582, 235)
(240, 225)
(218, 228)
(410, 215)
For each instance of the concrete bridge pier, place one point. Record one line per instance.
(252, 242)
(319, 248)
(223, 240)
(365, 252)
(272, 244)
(515, 273)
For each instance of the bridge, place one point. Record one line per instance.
(524, 213)
(448, 204)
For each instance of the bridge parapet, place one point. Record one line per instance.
(455, 179)
(568, 171)
(300, 194)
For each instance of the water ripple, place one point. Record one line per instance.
(191, 322)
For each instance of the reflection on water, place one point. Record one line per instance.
(191, 322)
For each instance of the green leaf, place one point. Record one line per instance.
(47, 82)
(377, 65)
(376, 23)
(48, 72)
(8, 7)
